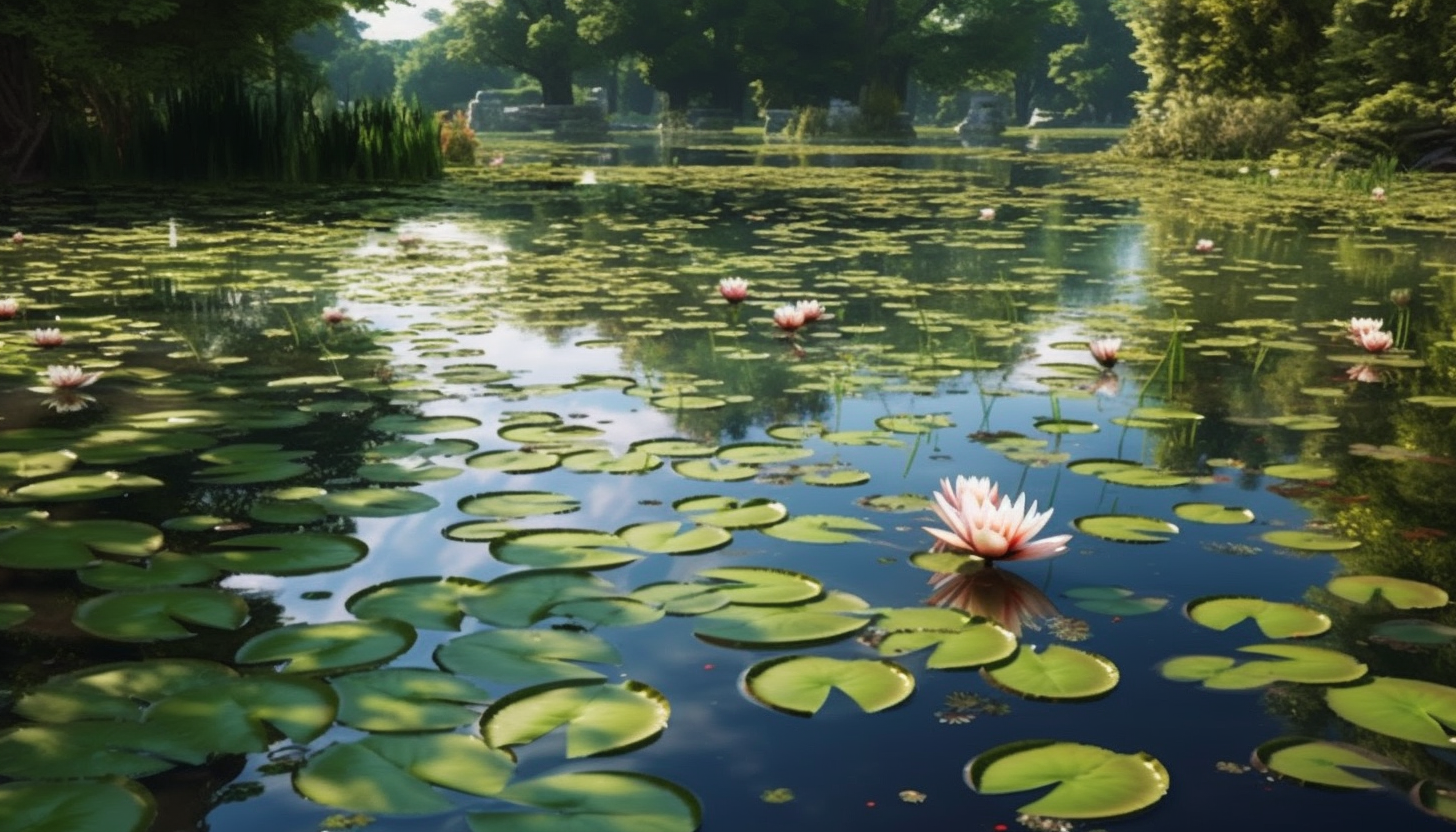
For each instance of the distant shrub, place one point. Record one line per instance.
(1215, 126)
(879, 112)
(457, 140)
(809, 122)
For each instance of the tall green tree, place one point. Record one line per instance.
(539, 38)
(429, 75)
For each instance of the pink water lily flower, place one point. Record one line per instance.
(966, 491)
(1203, 246)
(1377, 193)
(1376, 340)
(1104, 350)
(333, 315)
(9, 307)
(995, 531)
(1364, 373)
(733, 289)
(788, 318)
(810, 309)
(47, 338)
(988, 214)
(17, 238)
(69, 377)
(1360, 326)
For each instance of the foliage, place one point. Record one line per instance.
(457, 140)
(428, 74)
(538, 39)
(1212, 126)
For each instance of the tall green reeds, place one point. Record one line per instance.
(227, 131)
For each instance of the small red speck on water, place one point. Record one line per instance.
(1000, 827)
(707, 667)
(870, 803)
(1116, 619)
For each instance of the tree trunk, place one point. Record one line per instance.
(23, 127)
(556, 86)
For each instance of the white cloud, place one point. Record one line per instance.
(401, 22)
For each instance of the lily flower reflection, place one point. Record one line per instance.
(1376, 340)
(17, 238)
(68, 401)
(333, 315)
(810, 309)
(1104, 350)
(1203, 246)
(69, 377)
(988, 214)
(47, 338)
(1364, 373)
(1106, 384)
(9, 308)
(788, 318)
(990, 530)
(733, 289)
(996, 594)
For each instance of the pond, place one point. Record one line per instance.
(478, 506)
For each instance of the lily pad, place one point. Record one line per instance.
(1114, 600)
(675, 598)
(1290, 663)
(12, 614)
(762, 453)
(605, 462)
(376, 502)
(1057, 672)
(242, 715)
(503, 505)
(1400, 593)
(1301, 471)
(111, 805)
(394, 700)
(520, 657)
(976, 643)
(599, 718)
(396, 775)
(1321, 762)
(425, 603)
(160, 614)
(1126, 528)
(733, 514)
(119, 691)
(593, 801)
(1303, 541)
(1089, 782)
(823, 620)
(329, 647)
(896, 503)
(1214, 513)
(520, 599)
(820, 528)
(68, 544)
(712, 470)
(412, 425)
(667, 538)
(562, 549)
(303, 553)
(913, 424)
(1275, 619)
(1413, 631)
(1408, 709)
(762, 586)
(800, 685)
(514, 461)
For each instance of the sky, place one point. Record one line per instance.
(401, 22)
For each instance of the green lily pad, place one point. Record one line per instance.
(26, 465)
(675, 598)
(159, 614)
(111, 805)
(1067, 426)
(820, 528)
(397, 774)
(515, 461)
(12, 614)
(1321, 762)
(599, 718)
(679, 448)
(1275, 619)
(606, 462)
(301, 553)
(666, 538)
(524, 657)
(1291, 663)
(241, 715)
(253, 463)
(1214, 513)
(1145, 478)
(159, 570)
(1057, 672)
(1309, 541)
(795, 433)
(1413, 631)
(863, 438)
(975, 643)
(1166, 414)
(1114, 600)
(593, 801)
(394, 700)
(1126, 528)
(1301, 471)
(808, 622)
(896, 503)
(913, 424)
(68, 544)
(1400, 593)
(412, 425)
(1307, 422)
(1408, 709)
(762, 453)
(712, 470)
(562, 549)
(1089, 782)
(1432, 797)
(800, 685)
(329, 647)
(120, 691)
(123, 447)
(520, 599)
(93, 748)
(393, 473)
(836, 478)
(762, 586)
(616, 611)
(733, 514)
(509, 505)
(376, 502)
(425, 603)
(478, 531)
(286, 512)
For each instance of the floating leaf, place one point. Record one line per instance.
(406, 699)
(333, 646)
(762, 453)
(666, 538)
(1321, 762)
(681, 448)
(93, 748)
(1291, 663)
(159, 614)
(301, 553)
(120, 691)
(1408, 709)
(1214, 513)
(376, 502)
(782, 626)
(562, 548)
(68, 544)
(514, 462)
(593, 801)
(733, 514)
(599, 718)
(913, 424)
(1126, 528)
(1398, 592)
(896, 503)
(423, 603)
(1114, 600)
(241, 715)
(514, 504)
(758, 586)
(395, 775)
(1413, 631)
(412, 425)
(519, 657)
(1309, 541)
(1275, 619)
(711, 470)
(820, 528)
(112, 805)
(12, 614)
(1090, 782)
(84, 487)
(605, 462)
(800, 685)
(681, 598)
(1301, 471)
(520, 599)
(1058, 672)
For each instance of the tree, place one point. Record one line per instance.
(1094, 64)
(97, 56)
(536, 37)
(799, 52)
(429, 75)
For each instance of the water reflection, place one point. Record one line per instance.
(997, 594)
